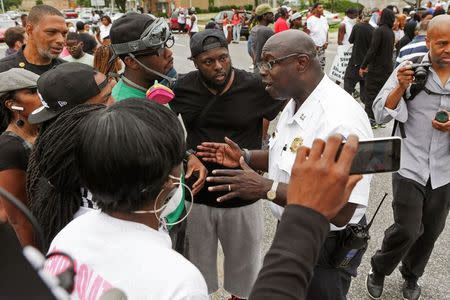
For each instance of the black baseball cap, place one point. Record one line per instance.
(64, 87)
(198, 45)
(129, 27)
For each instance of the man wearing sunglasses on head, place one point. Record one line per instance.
(143, 44)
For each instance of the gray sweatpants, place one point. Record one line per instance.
(240, 232)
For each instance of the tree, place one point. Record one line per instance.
(39, 2)
(11, 4)
(84, 3)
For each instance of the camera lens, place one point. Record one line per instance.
(420, 74)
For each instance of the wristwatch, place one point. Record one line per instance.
(189, 152)
(272, 193)
(247, 155)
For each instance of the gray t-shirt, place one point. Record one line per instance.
(260, 34)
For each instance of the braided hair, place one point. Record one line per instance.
(6, 115)
(54, 183)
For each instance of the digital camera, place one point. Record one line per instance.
(420, 71)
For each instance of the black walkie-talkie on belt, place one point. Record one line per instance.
(355, 240)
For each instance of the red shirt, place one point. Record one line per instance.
(236, 19)
(281, 25)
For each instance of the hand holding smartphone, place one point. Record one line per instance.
(377, 155)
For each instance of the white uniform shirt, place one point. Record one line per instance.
(318, 29)
(328, 110)
(133, 257)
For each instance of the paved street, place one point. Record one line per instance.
(435, 283)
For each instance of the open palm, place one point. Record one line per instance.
(226, 154)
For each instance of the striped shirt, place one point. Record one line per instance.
(416, 48)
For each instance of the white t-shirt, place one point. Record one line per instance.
(328, 110)
(95, 18)
(104, 30)
(133, 257)
(318, 29)
(85, 59)
(348, 23)
(181, 19)
(194, 27)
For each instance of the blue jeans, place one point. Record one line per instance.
(237, 32)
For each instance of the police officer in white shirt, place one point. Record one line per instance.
(317, 28)
(319, 108)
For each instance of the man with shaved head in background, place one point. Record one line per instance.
(318, 108)
(421, 188)
(46, 30)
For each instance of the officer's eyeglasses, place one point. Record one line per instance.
(268, 65)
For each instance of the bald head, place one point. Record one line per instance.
(438, 41)
(441, 22)
(289, 42)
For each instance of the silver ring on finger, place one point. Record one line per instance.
(229, 187)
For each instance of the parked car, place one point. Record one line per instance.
(244, 30)
(70, 13)
(4, 25)
(13, 14)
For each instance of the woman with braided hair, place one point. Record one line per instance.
(91, 87)
(58, 189)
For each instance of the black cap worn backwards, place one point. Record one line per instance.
(64, 87)
(129, 27)
(198, 45)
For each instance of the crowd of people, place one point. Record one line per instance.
(137, 172)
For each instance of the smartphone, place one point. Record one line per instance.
(377, 155)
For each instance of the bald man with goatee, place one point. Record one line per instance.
(421, 188)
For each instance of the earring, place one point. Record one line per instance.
(20, 123)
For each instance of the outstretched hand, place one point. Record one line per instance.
(226, 154)
(245, 183)
(321, 182)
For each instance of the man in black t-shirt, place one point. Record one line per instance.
(215, 102)
(46, 31)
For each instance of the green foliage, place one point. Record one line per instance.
(161, 14)
(84, 3)
(39, 2)
(9, 4)
(342, 5)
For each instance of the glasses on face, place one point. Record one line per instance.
(268, 65)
